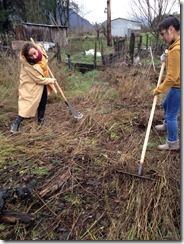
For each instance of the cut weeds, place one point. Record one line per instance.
(80, 195)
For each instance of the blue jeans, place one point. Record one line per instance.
(171, 105)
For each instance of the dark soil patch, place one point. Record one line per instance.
(81, 193)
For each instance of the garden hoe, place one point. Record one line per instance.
(139, 174)
(74, 113)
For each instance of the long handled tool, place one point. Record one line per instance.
(148, 131)
(74, 113)
(150, 122)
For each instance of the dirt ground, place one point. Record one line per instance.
(82, 191)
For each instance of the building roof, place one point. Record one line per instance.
(126, 20)
(44, 25)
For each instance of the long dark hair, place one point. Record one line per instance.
(167, 22)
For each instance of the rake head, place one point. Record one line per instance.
(139, 174)
(78, 116)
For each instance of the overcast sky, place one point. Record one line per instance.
(93, 10)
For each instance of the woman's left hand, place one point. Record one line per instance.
(155, 92)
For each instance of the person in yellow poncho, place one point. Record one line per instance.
(34, 85)
(169, 29)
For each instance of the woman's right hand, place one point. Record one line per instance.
(53, 80)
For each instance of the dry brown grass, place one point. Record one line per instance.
(79, 164)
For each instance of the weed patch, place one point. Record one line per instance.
(81, 192)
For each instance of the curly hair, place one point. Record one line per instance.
(26, 47)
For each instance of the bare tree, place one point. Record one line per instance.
(62, 7)
(151, 12)
(59, 11)
(98, 28)
(109, 37)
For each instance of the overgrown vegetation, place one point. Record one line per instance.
(81, 193)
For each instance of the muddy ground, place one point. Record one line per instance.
(82, 191)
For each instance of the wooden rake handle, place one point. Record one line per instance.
(151, 116)
(59, 88)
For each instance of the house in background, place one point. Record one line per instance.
(41, 32)
(123, 27)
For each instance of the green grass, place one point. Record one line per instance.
(73, 200)
(81, 57)
(77, 47)
(2, 227)
(152, 145)
(6, 149)
(40, 171)
(82, 82)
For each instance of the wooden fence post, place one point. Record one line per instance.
(139, 44)
(131, 48)
(58, 52)
(102, 52)
(147, 37)
(95, 55)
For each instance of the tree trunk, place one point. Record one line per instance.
(109, 37)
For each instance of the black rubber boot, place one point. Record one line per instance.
(16, 124)
(15, 127)
(41, 121)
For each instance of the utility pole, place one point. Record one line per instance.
(68, 13)
(109, 37)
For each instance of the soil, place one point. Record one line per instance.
(82, 190)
